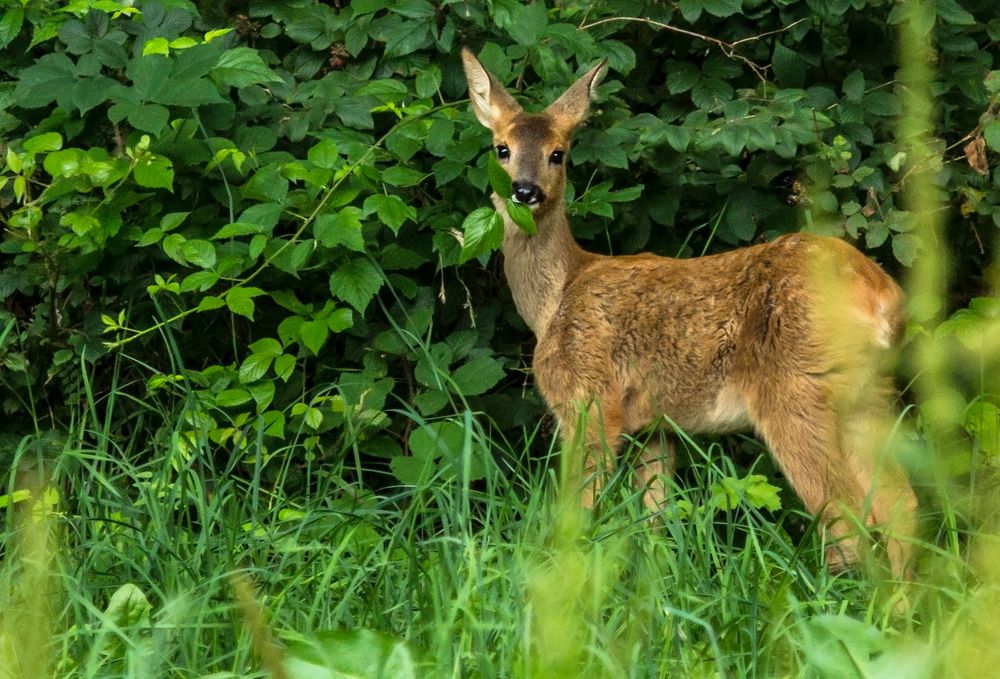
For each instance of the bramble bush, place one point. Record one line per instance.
(255, 214)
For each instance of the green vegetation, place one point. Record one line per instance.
(261, 379)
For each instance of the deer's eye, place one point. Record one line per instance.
(503, 153)
(556, 157)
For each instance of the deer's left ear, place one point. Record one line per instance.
(571, 108)
(490, 101)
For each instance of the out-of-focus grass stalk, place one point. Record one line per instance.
(971, 637)
(27, 586)
(928, 280)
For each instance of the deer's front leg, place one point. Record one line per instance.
(591, 438)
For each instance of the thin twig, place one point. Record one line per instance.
(727, 48)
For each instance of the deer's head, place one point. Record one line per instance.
(533, 148)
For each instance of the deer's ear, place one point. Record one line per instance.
(490, 101)
(571, 108)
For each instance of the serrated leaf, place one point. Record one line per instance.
(682, 76)
(199, 280)
(906, 247)
(854, 86)
(325, 154)
(881, 103)
(265, 215)
(240, 300)
(356, 283)
(314, 334)
(211, 302)
(428, 80)
(402, 176)
(228, 398)
(283, 366)
(482, 232)
(477, 376)
(391, 210)
(10, 24)
(520, 214)
(412, 471)
(500, 180)
(199, 252)
(528, 22)
(722, 8)
(991, 133)
(254, 367)
(242, 67)
(343, 228)
(41, 143)
(340, 320)
(155, 172)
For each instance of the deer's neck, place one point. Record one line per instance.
(539, 267)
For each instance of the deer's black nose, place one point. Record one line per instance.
(529, 194)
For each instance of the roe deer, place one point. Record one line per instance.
(787, 337)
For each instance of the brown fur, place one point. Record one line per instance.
(787, 337)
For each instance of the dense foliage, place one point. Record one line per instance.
(283, 200)
(259, 220)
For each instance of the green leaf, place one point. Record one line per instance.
(356, 283)
(173, 247)
(264, 215)
(520, 214)
(722, 8)
(283, 366)
(761, 494)
(906, 247)
(228, 398)
(10, 24)
(391, 210)
(991, 133)
(881, 103)
(263, 394)
(682, 76)
(982, 420)
(500, 180)
(482, 232)
(854, 86)
(343, 228)
(41, 143)
(51, 78)
(254, 366)
(404, 36)
(242, 67)
(155, 172)
(314, 335)
(199, 280)
(477, 376)
(413, 9)
(340, 320)
(528, 22)
(789, 67)
(199, 252)
(240, 300)
(428, 81)
(325, 154)
(410, 471)
(402, 176)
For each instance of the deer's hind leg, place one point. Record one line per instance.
(865, 420)
(796, 419)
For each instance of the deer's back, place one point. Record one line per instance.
(686, 337)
